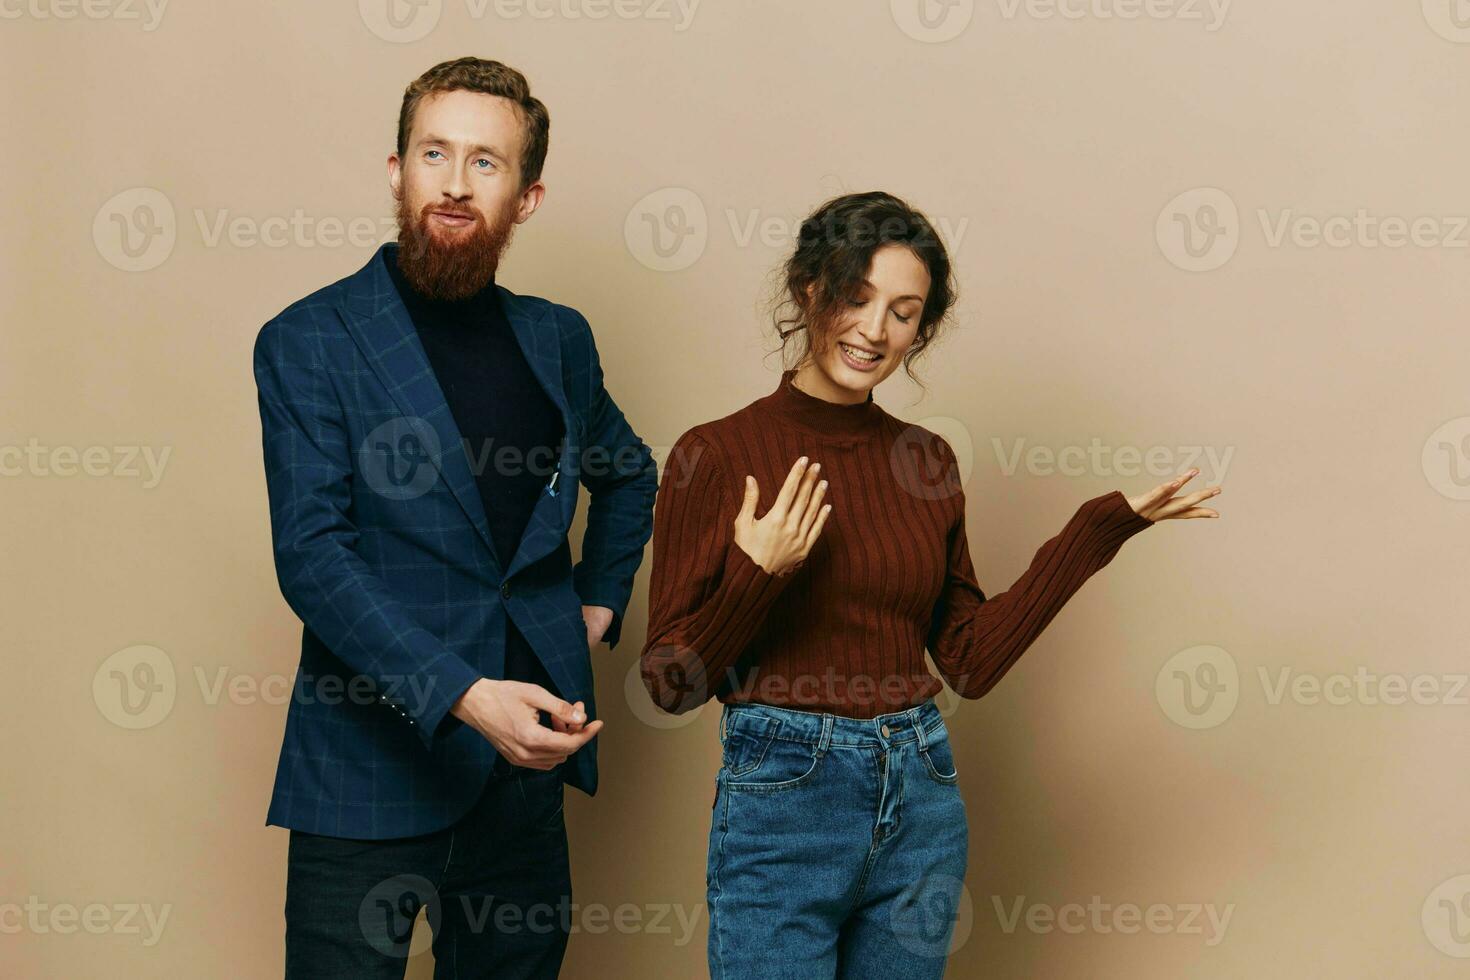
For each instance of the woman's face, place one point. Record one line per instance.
(877, 327)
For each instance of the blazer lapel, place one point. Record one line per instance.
(540, 340)
(380, 324)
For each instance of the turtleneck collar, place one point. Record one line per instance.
(818, 415)
(474, 307)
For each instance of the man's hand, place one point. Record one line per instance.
(598, 619)
(506, 713)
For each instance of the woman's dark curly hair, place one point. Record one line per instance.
(834, 249)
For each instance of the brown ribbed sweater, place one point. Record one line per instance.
(889, 576)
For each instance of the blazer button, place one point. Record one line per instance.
(505, 590)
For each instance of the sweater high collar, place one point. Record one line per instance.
(819, 415)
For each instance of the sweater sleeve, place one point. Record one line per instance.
(974, 640)
(707, 597)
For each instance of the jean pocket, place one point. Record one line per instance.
(938, 758)
(784, 764)
(746, 740)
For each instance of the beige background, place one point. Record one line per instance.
(1328, 379)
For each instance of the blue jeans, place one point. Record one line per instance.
(837, 845)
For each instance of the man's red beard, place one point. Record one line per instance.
(450, 265)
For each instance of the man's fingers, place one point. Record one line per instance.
(563, 726)
(534, 761)
(545, 741)
(540, 697)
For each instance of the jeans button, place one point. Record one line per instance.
(885, 731)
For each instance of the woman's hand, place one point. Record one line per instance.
(781, 540)
(1159, 504)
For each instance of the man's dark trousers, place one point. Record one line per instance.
(494, 911)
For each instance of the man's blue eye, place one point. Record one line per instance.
(483, 160)
(431, 152)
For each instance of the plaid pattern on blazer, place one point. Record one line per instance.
(383, 550)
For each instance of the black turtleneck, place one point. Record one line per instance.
(510, 426)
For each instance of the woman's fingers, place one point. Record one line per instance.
(1185, 506)
(1164, 491)
(791, 524)
(1147, 503)
(747, 505)
(788, 489)
(816, 530)
(814, 506)
(803, 497)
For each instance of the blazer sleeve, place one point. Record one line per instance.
(707, 597)
(308, 470)
(621, 481)
(973, 639)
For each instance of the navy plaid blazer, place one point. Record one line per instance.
(383, 550)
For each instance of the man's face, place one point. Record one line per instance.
(458, 191)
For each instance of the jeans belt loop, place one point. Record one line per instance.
(825, 740)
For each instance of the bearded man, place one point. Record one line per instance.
(424, 431)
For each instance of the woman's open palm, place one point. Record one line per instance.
(780, 541)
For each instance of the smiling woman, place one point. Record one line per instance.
(838, 790)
